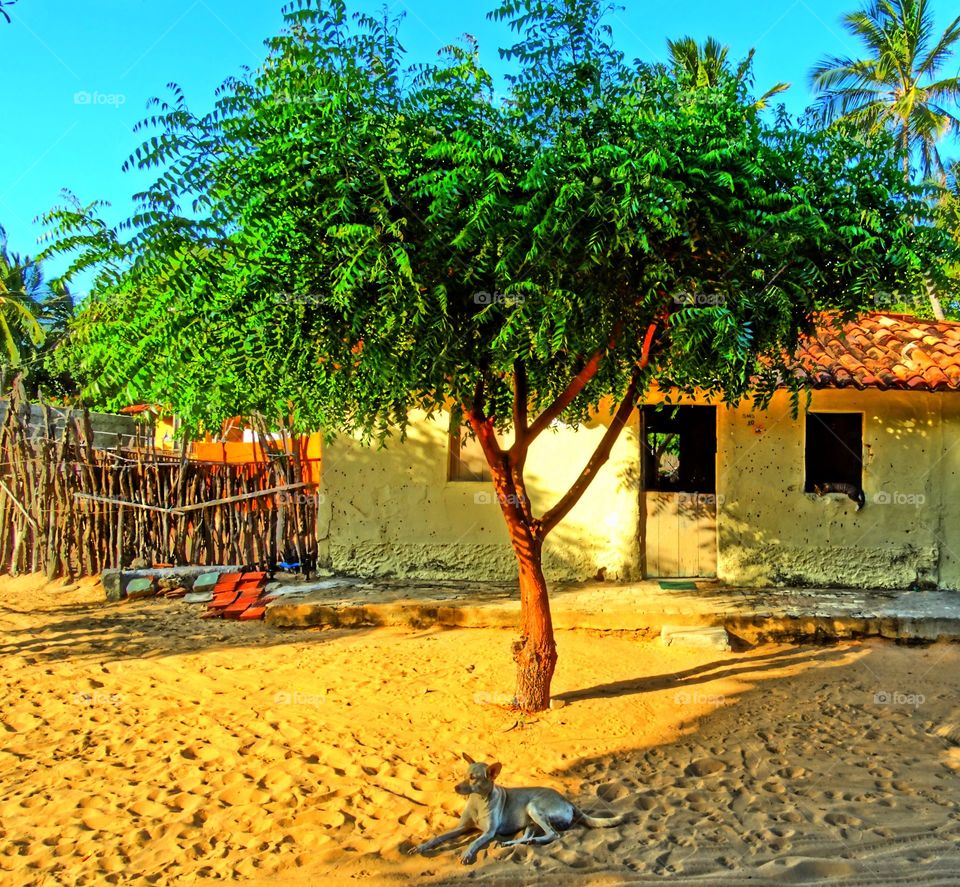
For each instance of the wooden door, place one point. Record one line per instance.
(678, 499)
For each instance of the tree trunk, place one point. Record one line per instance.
(934, 298)
(536, 652)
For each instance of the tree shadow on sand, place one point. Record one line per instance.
(135, 630)
(710, 671)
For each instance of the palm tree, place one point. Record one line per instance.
(897, 84)
(34, 316)
(21, 292)
(707, 65)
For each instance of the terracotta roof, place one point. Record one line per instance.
(883, 351)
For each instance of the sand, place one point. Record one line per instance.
(143, 745)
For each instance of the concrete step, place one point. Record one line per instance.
(708, 637)
(641, 609)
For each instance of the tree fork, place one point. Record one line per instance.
(535, 653)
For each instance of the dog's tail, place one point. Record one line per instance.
(599, 821)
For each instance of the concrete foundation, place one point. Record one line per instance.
(642, 609)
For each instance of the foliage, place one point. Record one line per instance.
(897, 85)
(948, 217)
(708, 65)
(345, 236)
(33, 319)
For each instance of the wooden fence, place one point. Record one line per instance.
(69, 508)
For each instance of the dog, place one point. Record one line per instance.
(499, 812)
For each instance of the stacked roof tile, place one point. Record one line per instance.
(886, 351)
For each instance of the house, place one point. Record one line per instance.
(860, 489)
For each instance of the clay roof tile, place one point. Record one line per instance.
(883, 351)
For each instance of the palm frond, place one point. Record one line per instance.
(939, 54)
(889, 87)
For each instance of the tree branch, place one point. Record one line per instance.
(577, 384)
(602, 452)
(520, 396)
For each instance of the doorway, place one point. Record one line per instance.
(678, 498)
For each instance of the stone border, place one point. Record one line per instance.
(115, 581)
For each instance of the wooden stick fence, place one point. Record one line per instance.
(70, 509)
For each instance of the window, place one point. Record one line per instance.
(467, 462)
(680, 449)
(834, 450)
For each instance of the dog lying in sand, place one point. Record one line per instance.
(495, 811)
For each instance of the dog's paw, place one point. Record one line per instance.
(468, 858)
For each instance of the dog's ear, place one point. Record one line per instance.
(493, 770)
(467, 758)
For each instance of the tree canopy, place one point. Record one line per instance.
(347, 235)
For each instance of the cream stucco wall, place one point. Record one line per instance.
(771, 532)
(393, 511)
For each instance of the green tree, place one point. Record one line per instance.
(366, 237)
(948, 217)
(897, 85)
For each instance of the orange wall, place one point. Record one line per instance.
(239, 453)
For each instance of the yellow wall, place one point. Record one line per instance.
(164, 431)
(393, 512)
(771, 532)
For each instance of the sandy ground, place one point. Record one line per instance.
(141, 744)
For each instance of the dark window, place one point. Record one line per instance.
(467, 462)
(834, 451)
(680, 449)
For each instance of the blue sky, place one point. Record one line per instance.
(77, 76)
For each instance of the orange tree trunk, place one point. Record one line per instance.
(535, 652)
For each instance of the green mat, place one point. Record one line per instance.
(678, 585)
